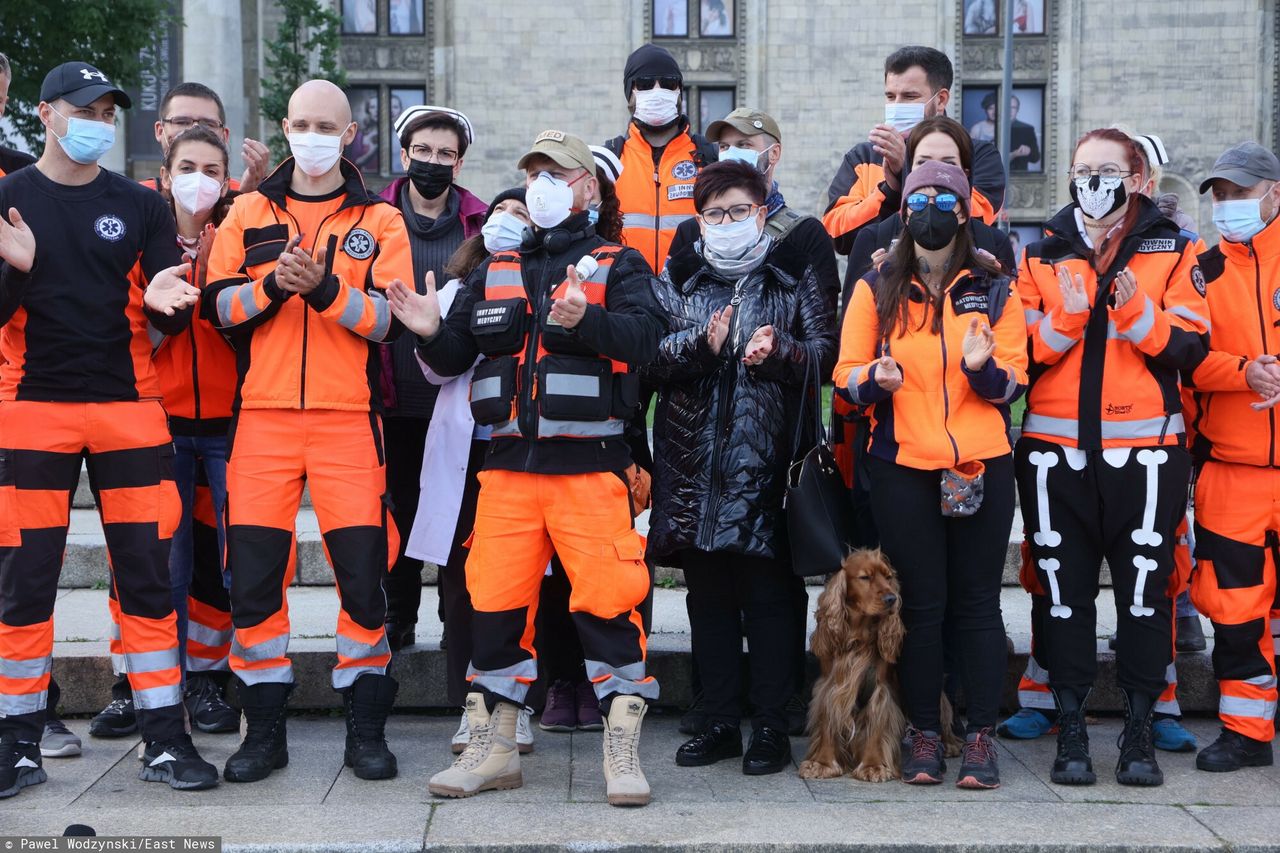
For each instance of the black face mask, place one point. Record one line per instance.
(430, 179)
(932, 228)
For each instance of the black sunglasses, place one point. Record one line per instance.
(643, 84)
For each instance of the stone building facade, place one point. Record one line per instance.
(1202, 74)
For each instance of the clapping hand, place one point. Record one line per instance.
(759, 347)
(979, 345)
(718, 328)
(170, 292)
(1075, 299)
(419, 312)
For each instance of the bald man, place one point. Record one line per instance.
(296, 279)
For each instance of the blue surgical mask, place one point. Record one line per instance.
(86, 141)
(1238, 220)
(756, 159)
(903, 117)
(503, 232)
(593, 214)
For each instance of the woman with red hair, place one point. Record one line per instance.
(1115, 307)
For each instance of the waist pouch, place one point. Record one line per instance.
(493, 390)
(962, 489)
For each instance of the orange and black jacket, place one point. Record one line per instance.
(655, 189)
(858, 194)
(623, 325)
(75, 327)
(944, 414)
(11, 160)
(1243, 292)
(1108, 377)
(315, 351)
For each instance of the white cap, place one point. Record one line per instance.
(1152, 147)
(410, 113)
(608, 161)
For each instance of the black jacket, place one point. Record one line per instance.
(723, 432)
(626, 329)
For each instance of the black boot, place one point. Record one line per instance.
(368, 702)
(1137, 765)
(1072, 766)
(265, 747)
(1231, 751)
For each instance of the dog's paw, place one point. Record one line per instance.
(874, 773)
(817, 770)
(952, 746)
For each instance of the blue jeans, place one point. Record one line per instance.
(191, 455)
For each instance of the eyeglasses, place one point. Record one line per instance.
(1082, 172)
(645, 83)
(443, 156)
(186, 122)
(736, 213)
(946, 202)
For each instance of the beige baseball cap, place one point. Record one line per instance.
(746, 120)
(564, 148)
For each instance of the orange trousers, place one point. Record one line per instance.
(129, 454)
(339, 455)
(585, 519)
(1237, 540)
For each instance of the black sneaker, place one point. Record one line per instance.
(1072, 765)
(768, 752)
(978, 765)
(118, 719)
(922, 761)
(176, 762)
(718, 742)
(1189, 636)
(20, 766)
(207, 708)
(1231, 751)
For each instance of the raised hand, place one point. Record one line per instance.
(570, 310)
(419, 312)
(979, 344)
(890, 145)
(759, 347)
(202, 255)
(1126, 286)
(169, 291)
(296, 271)
(17, 243)
(718, 328)
(888, 374)
(256, 159)
(1075, 299)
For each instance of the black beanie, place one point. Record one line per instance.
(649, 60)
(514, 192)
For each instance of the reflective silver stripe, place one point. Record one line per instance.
(573, 385)
(1265, 682)
(506, 428)
(1039, 700)
(276, 647)
(117, 664)
(486, 389)
(1035, 672)
(352, 650)
(273, 675)
(221, 664)
(158, 697)
(115, 630)
(228, 296)
(1258, 709)
(854, 383)
(381, 316)
(1169, 707)
(1187, 314)
(28, 668)
(527, 668)
(548, 428)
(352, 311)
(1051, 338)
(345, 676)
(13, 704)
(1032, 316)
(1142, 328)
(1067, 427)
(152, 661)
(628, 680)
(662, 223)
(206, 636)
(504, 681)
(503, 278)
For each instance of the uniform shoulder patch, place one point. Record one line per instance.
(359, 244)
(1275, 299)
(1157, 244)
(1197, 281)
(678, 191)
(109, 227)
(685, 170)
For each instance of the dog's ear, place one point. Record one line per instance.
(832, 618)
(889, 640)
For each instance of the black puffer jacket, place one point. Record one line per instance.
(723, 432)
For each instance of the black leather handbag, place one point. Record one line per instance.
(819, 507)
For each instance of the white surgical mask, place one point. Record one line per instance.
(315, 153)
(195, 192)
(503, 232)
(549, 200)
(903, 117)
(732, 240)
(1238, 220)
(657, 106)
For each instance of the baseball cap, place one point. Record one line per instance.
(406, 118)
(942, 176)
(80, 84)
(1244, 164)
(564, 148)
(745, 120)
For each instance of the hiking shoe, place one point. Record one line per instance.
(1027, 724)
(118, 719)
(461, 737)
(1231, 751)
(1170, 735)
(978, 762)
(588, 707)
(560, 714)
(922, 761)
(20, 766)
(1072, 765)
(208, 710)
(58, 741)
(176, 762)
(490, 761)
(625, 782)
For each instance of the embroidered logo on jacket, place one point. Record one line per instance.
(685, 170)
(970, 303)
(359, 244)
(109, 227)
(1162, 244)
(1275, 299)
(1197, 280)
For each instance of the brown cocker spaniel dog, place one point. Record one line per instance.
(856, 722)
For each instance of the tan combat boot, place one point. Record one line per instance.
(491, 760)
(624, 780)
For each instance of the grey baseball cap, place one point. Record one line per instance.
(1244, 164)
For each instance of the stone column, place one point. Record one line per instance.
(213, 54)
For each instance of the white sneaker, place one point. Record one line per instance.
(524, 731)
(462, 737)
